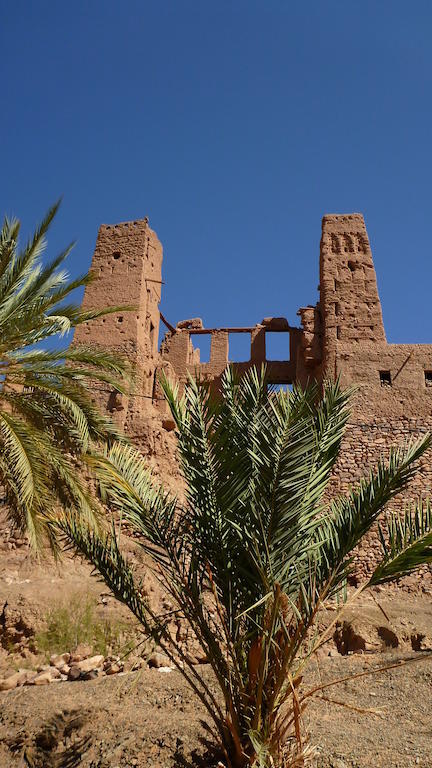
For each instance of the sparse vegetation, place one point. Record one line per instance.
(77, 622)
(254, 552)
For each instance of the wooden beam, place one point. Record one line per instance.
(165, 322)
(197, 331)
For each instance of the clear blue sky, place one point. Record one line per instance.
(234, 125)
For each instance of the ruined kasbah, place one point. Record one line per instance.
(341, 336)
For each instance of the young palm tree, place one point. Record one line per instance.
(47, 420)
(254, 551)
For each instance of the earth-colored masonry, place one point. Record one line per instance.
(342, 335)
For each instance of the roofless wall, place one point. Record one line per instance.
(340, 336)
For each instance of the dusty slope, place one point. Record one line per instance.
(151, 720)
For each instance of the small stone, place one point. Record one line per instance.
(74, 673)
(9, 672)
(321, 653)
(54, 672)
(168, 425)
(193, 322)
(27, 674)
(158, 660)
(59, 660)
(420, 642)
(87, 665)
(9, 683)
(114, 669)
(92, 674)
(84, 650)
(43, 678)
(201, 658)
(31, 678)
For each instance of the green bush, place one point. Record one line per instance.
(77, 622)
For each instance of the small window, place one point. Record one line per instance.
(239, 347)
(202, 341)
(349, 245)
(385, 378)
(279, 388)
(120, 319)
(428, 378)
(116, 255)
(277, 346)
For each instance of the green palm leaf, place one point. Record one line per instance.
(348, 519)
(48, 423)
(407, 544)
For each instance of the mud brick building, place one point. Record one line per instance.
(342, 335)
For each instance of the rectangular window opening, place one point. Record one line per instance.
(279, 388)
(239, 347)
(385, 378)
(202, 341)
(428, 378)
(277, 346)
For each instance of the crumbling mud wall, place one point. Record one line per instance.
(127, 267)
(342, 335)
(393, 403)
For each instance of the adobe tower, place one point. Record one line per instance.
(127, 269)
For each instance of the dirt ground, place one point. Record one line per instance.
(150, 719)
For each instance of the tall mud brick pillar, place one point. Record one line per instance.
(127, 266)
(349, 301)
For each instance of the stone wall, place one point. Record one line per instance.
(342, 335)
(177, 349)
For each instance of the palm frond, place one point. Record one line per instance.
(8, 242)
(48, 421)
(102, 551)
(17, 447)
(406, 543)
(349, 518)
(23, 472)
(40, 282)
(127, 484)
(308, 453)
(19, 267)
